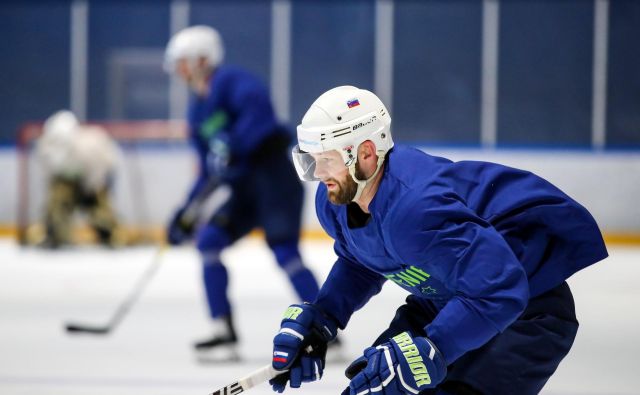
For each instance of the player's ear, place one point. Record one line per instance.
(366, 150)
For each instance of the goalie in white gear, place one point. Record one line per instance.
(79, 163)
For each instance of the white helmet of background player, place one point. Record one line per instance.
(60, 127)
(193, 43)
(59, 132)
(341, 119)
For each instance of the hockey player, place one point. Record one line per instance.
(483, 249)
(80, 162)
(239, 143)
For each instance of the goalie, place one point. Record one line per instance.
(79, 162)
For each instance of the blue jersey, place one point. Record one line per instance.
(237, 118)
(476, 238)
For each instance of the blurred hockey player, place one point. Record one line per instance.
(79, 162)
(483, 249)
(241, 145)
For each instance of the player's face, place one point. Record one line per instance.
(183, 69)
(195, 75)
(332, 172)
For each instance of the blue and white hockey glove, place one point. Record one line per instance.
(405, 365)
(180, 228)
(301, 345)
(219, 157)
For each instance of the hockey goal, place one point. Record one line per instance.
(150, 178)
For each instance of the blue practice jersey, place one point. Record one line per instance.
(476, 238)
(237, 117)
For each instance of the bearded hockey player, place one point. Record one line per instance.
(483, 250)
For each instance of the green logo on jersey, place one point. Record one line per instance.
(415, 278)
(409, 277)
(216, 122)
(429, 290)
(292, 313)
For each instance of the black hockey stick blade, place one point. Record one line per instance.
(94, 330)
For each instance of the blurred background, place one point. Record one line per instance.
(551, 86)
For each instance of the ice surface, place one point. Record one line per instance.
(150, 352)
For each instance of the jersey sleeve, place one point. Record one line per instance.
(203, 177)
(489, 285)
(254, 116)
(349, 285)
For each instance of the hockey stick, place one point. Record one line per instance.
(126, 304)
(259, 376)
(254, 378)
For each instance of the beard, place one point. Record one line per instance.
(346, 189)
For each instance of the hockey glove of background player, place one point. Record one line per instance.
(405, 365)
(180, 228)
(301, 345)
(219, 157)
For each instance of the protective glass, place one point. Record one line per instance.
(317, 166)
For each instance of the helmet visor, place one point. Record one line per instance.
(318, 166)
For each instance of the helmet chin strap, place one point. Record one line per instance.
(363, 183)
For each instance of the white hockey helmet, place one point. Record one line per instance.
(341, 119)
(192, 43)
(60, 127)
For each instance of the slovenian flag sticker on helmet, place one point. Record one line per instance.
(353, 103)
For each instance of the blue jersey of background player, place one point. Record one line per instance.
(483, 249)
(239, 144)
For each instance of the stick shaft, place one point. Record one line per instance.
(254, 378)
(124, 306)
(138, 288)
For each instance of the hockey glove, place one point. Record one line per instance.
(180, 228)
(301, 345)
(218, 157)
(404, 365)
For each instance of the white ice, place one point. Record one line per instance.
(150, 352)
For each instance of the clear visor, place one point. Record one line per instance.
(318, 166)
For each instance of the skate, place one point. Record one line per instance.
(222, 346)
